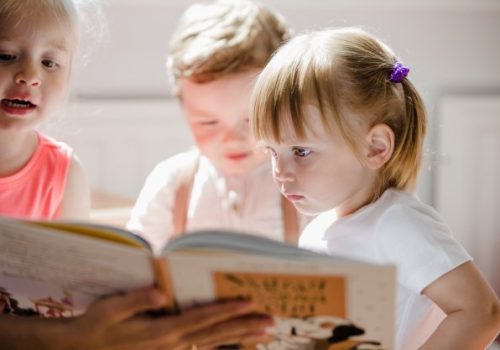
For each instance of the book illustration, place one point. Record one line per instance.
(46, 307)
(309, 311)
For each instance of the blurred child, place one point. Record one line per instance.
(40, 178)
(226, 183)
(345, 127)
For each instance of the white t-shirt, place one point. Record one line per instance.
(249, 204)
(396, 229)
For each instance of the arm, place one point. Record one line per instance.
(76, 199)
(471, 306)
(116, 323)
(151, 216)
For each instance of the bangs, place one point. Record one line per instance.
(30, 12)
(297, 76)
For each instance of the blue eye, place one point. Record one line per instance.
(301, 152)
(5, 57)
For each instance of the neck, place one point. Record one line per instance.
(235, 182)
(357, 200)
(16, 149)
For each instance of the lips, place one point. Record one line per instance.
(237, 156)
(293, 197)
(17, 106)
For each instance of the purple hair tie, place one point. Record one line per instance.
(398, 73)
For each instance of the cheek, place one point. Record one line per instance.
(205, 135)
(58, 88)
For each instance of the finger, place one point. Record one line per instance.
(205, 316)
(117, 308)
(164, 331)
(245, 341)
(231, 331)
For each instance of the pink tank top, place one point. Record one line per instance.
(36, 190)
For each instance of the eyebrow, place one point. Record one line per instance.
(58, 45)
(53, 45)
(196, 112)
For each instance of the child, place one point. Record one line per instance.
(215, 55)
(345, 128)
(40, 178)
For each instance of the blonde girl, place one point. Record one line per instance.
(40, 178)
(345, 127)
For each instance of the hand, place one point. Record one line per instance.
(118, 322)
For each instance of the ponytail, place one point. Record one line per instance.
(402, 170)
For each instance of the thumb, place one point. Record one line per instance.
(116, 308)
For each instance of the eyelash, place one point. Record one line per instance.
(271, 151)
(296, 152)
(209, 122)
(47, 63)
(5, 57)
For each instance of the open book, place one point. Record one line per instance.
(319, 302)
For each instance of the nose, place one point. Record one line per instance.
(28, 75)
(282, 170)
(237, 132)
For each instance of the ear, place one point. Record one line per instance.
(380, 146)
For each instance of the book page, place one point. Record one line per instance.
(317, 305)
(285, 295)
(49, 271)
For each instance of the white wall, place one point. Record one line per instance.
(450, 45)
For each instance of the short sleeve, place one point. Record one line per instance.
(419, 243)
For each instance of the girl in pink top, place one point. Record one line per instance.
(39, 177)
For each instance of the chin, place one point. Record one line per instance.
(234, 170)
(310, 209)
(239, 168)
(305, 210)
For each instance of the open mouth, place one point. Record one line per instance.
(18, 104)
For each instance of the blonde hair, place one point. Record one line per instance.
(82, 17)
(223, 37)
(27, 12)
(339, 71)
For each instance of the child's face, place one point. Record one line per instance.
(35, 60)
(320, 172)
(217, 113)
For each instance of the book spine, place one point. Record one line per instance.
(163, 280)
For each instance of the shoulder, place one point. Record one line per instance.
(76, 171)
(416, 238)
(76, 197)
(164, 178)
(402, 216)
(55, 146)
(169, 167)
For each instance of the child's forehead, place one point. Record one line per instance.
(56, 41)
(282, 123)
(313, 119)
(46, 26)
